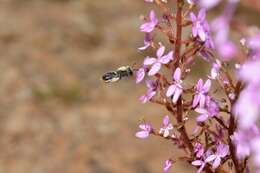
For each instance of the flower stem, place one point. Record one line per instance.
(232, 127)
(177, 50)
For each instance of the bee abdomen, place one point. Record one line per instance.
(111, 76)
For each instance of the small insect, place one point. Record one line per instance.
(114, 76)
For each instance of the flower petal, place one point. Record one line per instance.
(210, 158)
(216, 162)
(160, 51)
(154, 69)
(166, 120)
(167, 166)
(202, 14)
(150, 84)
(201, 168)
(166, 58)
(202, 117)
(195, 100)
(140, 75)
(147, 27)
(207, 85)
(199, 85)
(202, 100)
(201, 110)
(214, 73)
(142, 126)
(142, 134)
(143, 99)
(149, 61)
(176, 95)
(153, 17)
(177, 74)
(150, 94)
(193, 17)
(194, 31)
(170, 90)
(144, 47)
(222, 150)
(197, 163)
(208, 3)
(166, 133)
(202, 34)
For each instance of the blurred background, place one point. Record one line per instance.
(56, 115)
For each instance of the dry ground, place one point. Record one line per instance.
(56, 116)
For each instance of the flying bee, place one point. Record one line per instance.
(114, 76)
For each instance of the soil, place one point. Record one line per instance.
(56, 115)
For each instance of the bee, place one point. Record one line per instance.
(114, 76)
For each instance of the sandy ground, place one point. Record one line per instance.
(56, 116)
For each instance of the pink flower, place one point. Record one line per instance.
(253, 43)
(201, 91)
(247, 106)
(152, 87)
(146, 129)
(227, 50)
(147, 41)
(157, 62)
(220, 132)
(198, 149)
(167, 126)
(211, 110)
(222, 151)
(221, 27)
(255, 143)
(200, 163)
(167, 165)
(249, 72)
(198, 25)
(175, 89)
(243, 139)
(204, 114)
(149, 26)
(203, 161)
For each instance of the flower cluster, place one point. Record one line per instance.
(224, 102)
(247, 107)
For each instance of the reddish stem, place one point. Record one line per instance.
(177, 50)
(232, 127)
